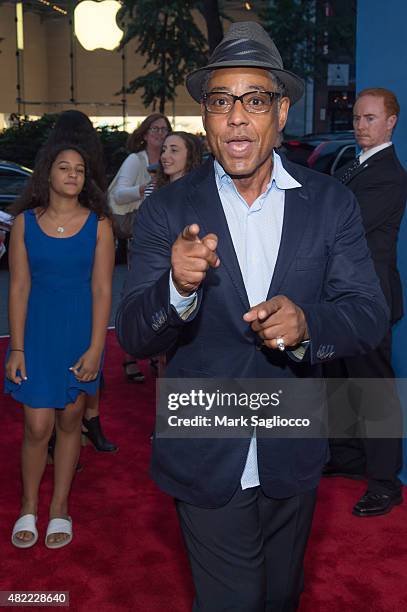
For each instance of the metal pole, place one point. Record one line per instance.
(19, 87)
(19, 21)
(72, 53)
(124, 86)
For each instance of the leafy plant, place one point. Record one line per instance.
(307, 36)
(171, 42)
(21, 142)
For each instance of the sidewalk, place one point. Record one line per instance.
(118, 280)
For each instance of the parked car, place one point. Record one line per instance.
(331, 155)
(6, 222)
(13, 178)
(325, 152)
(345, 155)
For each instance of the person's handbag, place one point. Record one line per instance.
(123, 225)
(122, 221)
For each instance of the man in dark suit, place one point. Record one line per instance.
(379, 183)
(248, 267)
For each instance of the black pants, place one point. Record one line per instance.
(375, 402)
(247, 556)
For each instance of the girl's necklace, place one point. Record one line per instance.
(61, 228)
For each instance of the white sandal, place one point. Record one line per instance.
(59, 525)
(25, 523)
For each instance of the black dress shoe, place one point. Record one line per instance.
(330, 470)
(92, 431)
(133, 375)
(374, 504)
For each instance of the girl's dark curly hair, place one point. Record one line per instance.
(135, 141)
(194, 156)
(75, 127)
(36, 192)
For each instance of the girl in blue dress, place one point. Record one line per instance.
(61, 265)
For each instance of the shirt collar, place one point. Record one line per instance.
(281, 178)
(364, 156)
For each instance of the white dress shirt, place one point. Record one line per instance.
(256, 235)
(364, 156)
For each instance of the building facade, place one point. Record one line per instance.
(53, 71)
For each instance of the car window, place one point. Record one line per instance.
(11, 183)
(345, 155)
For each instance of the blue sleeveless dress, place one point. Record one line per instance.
(59, 315)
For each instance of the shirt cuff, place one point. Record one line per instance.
(300, 351)
(184, 305)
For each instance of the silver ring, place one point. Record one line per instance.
(280, 343)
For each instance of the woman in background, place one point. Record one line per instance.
(181, 152)
(75, 127)
(61, 267)
(126, 191)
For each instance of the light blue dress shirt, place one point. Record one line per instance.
(256, 235)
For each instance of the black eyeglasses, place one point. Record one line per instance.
(252, 101)
(158, 130)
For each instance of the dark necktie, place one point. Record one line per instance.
(355, 164)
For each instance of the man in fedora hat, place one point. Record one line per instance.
(248, 267)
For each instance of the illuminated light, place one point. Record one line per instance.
(180, 122)
(248, 6)
(95, 24)
(20, 26)
(54, 7)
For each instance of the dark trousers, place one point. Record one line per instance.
(247, 556)
(375, 403)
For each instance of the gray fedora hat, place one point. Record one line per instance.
(246, 43)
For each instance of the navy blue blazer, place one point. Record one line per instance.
(323, 265)
(380, 187)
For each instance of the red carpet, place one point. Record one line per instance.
(127, 552)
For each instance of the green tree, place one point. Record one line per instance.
(292, 25)
(171, 42)
(22, 141)
(212, 15)
(309, 32)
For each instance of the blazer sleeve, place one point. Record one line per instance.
(352, 316)
(379, 200)
(146, 322)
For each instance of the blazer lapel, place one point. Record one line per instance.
(205, 201)
(387, 152)
(296, 211)
(357, 171)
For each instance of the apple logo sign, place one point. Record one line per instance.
(96, 26)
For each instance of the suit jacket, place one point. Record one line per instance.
(323, 265)
(380, 187)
